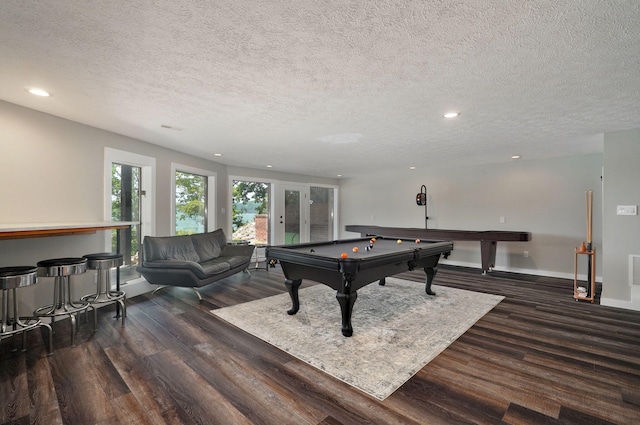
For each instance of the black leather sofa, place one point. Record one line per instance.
(192, 261)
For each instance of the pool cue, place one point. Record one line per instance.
(589, 198)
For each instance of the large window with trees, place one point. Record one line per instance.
(129, 187)
(191, 203)
(250, 214)
(125, 206)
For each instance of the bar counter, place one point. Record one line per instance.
(38, 230)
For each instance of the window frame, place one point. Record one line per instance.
(147, 167)
(212, 177)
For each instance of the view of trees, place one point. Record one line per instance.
(125, 206)
(248, 197)
(191, 192)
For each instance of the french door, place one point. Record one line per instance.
(291, 214)
(305, 214)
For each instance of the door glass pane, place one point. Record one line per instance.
(291, 216)
(125, 206)
(250, 213)
(321, 211)
(191, 202)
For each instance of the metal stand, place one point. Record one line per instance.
(62, 269)
(11, 324)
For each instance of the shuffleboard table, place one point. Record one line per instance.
(336, 265)
(488, 238)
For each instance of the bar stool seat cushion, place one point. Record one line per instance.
(104, 260)
(62, 266)
(17, 276)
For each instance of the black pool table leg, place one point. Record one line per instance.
(292, 287)
(346, 302)
(431, 273)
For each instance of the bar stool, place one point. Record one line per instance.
(12, 278)
(103, 262)
(62, 269)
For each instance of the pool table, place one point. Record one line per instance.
(488, 238)
(323, 262)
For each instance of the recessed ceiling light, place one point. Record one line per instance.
(515, 157)
(269, 166)
(412, 168)
(451, 114)
(338, 175)
(38, 92)
(217, 154)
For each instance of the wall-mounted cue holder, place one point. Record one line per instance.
(421, 199)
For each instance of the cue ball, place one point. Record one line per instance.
(417, 240)
(399, 241)
(343, 255)
(355, 249)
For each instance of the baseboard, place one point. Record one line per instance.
(634, 304)
(534, 272)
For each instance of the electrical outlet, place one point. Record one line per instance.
(526, 254)
(503, 219)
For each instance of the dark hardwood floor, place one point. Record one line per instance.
(539, 357)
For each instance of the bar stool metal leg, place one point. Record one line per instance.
(103, 263)
(62, 269)
(11, 323)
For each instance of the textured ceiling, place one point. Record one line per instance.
(333, 87)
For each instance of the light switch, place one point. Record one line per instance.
(627, 210)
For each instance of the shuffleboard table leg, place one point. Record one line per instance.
(488, 255)
(431, 273)
(292, 287)
(346, 302)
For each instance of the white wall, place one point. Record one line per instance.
(621, 233)
(546, 198)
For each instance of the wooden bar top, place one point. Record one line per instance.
(39, 230)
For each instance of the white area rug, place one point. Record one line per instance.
(397, 329)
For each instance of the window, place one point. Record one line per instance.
(250, 211)
(191, 203)
(129, 197)
(125, 206)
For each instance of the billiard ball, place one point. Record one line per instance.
(367, 248)
(399, 241)
(417, 240)
(355, 249)
(312, 250)
(373, 240)
(343, 255)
